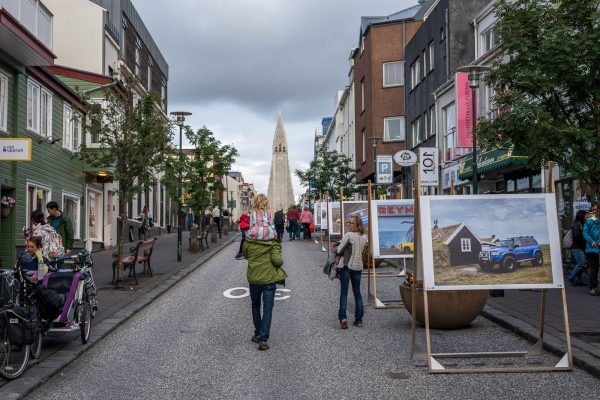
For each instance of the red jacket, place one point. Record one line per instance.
(292, 214)
(244, 221)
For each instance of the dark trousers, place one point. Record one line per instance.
(306, 233)
(347, 276)
(243, 238)
(262, 323)
(592, 259)
(293, 229)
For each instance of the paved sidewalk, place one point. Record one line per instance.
(115, 306)
(519, 310)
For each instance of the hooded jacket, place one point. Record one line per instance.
(264, 261)
(64, 226)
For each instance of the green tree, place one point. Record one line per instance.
(134, 137)
(547, 80)
(328, 172)
(201, 173)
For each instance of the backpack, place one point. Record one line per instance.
(279, 219)
(567, 241)
(52, 246)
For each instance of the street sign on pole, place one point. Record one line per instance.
(405, 158)
(385, 171)
(15, 149)
(428, 166)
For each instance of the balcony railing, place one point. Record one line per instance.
(34, 16)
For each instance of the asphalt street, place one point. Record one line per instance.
(193, 342)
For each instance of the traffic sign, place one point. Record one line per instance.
(405, 158)
(385, 170)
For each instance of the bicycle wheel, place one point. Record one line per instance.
(85, 322)
(35, 350)
(13, 358)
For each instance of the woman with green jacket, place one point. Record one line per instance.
(264, 272)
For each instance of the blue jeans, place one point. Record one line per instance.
(575, 275)
(262, 324)
(346, 276)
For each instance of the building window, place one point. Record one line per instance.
(423, 65)
(425, 126)
(3, 102)
(393, 129)
(415, 70)
(449, 128)
(364, 146)
(431, 51)
(138, 57)
(465, 245)
(489, 39)
(37, 197)
(71, 208)
(432, 120)
(71, 129)
(362, 95)
(415, 131)
(94, 215)
(491, 109)
(393, 73)
(150, 64)
(39, 109)
(163, 95)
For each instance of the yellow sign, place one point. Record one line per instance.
(13, 149)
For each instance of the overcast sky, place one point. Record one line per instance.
(236, 64)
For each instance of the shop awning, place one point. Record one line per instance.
(491, 160)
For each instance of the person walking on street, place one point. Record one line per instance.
(578, 248)
(292, 217)
(190, 219)
(352, 246)
(306, 219)
(263, 253)
(279, 221)
(62, 224)
(591, 234)
(216, 214)
(244, 225)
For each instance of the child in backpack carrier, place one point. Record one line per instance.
(261, 224)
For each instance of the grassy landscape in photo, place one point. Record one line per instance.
(525, 274)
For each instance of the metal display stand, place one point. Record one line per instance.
(435, 367)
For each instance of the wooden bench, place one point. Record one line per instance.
(140, 254)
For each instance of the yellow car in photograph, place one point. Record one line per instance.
(407, 247)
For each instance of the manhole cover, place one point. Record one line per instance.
(397, 375)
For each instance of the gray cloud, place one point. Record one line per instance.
(236, 64)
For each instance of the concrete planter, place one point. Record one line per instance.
(453, 309)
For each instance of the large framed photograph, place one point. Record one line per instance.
(393, 228)
(323, 215)
(334, 218)
(355, 209)
(317, 213)
(490, 242)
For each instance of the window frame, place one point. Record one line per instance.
(386, 131)
(431, 55)
(34, 108)
(72, 128)
(415, 70)
(75, 217)
(401, 75)
(492, 39)
(465, 245)
(362, 95)
(415, 128)
(3, 102)
(137, 60)
(34, 186)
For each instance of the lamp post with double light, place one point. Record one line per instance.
(180, 119)
(474, 78)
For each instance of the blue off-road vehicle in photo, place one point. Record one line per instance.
(509, 253)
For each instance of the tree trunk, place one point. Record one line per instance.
(123, 215)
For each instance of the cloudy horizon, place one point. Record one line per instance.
(236, 64)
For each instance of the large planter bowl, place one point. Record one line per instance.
(448, 309)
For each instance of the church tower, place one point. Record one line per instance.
(281, 192)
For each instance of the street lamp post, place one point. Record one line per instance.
(180, 115)
(474, 78)
(374, 140)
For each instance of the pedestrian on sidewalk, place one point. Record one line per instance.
(306, 218)
(352, 247)
(190, 218)
(216, 214)
(244, 225)
(61, 224)
(591, 234)
(263, 252)
(279, 221)
(292, 218)
(578, 248)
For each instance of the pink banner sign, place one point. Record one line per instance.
(464, 112)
